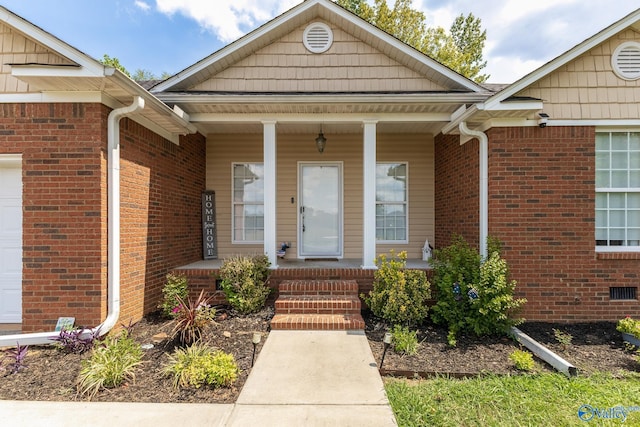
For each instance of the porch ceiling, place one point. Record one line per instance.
(341, 118)
(303, 113)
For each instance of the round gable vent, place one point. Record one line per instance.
(626, 61)
(317, 37)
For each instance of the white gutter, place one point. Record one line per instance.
(484, 183)
(113, 251)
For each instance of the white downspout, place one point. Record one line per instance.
(113, 212)
(113, 251)
(484, 183)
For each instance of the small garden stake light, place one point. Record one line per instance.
(255, 340)
(387, 343)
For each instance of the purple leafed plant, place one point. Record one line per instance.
(16, 358)
(77, 340)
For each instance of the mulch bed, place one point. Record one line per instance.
(51, 374)
(595, 347)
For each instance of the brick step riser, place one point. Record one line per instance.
(318, 307)
(318, 287)
(311, 322)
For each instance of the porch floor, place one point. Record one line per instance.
(353, 263)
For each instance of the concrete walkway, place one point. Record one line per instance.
(300, 378)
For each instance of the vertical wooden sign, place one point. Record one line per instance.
(209, 239)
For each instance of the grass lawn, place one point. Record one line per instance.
(524, 400)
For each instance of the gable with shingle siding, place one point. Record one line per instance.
(19, 49)
(587, 87)
(350, 65)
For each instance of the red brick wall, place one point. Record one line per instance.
(456, 190)
(63, 258)
(161, 185)
(63, 147)
(542, 206)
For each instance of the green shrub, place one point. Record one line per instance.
(564, 338)
(473, 295)
(404, 340)
(200, 365)
(523, 360)
(399, 296)
(244, 282)
(174, 289)
(110, 364)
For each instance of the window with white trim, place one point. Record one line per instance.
(248, 202)
(618, 191)
(391, 202)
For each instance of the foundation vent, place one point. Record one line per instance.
(623, 293)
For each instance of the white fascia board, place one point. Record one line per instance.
(508, 122)
(533, 105)
(41, 97)
(55, 44)
(19, 71)
(563, 59)
(420, 98)
(326, 118)
(150, 100)
(460, 115)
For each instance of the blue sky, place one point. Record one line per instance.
(170, 35)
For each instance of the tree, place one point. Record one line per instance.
(139, 75)
(142, 74)
(459, 49)
(115, 63)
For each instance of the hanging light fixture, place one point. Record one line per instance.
(321, 141)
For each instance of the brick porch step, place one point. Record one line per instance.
(318, 305)
(325, 322)
(318, 287)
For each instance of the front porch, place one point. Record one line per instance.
(202, 274)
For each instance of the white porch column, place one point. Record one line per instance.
(270, 233)
(369, 194)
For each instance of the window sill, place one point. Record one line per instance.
(618, 255)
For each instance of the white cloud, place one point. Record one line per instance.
(142, 5)
(227, 19)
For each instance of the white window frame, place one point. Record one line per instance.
(614, 190)
(235, 203)
(405, 203)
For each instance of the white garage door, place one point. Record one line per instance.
(10, 240)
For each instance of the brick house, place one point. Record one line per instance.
(412, 151)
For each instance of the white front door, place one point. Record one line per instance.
(10, 241)
(320, 210)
